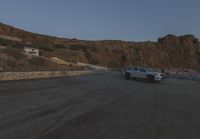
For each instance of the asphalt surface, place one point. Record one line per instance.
(99, 107)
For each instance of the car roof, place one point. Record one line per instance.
(138, 67)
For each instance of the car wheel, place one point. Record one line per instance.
(127, 76)
(150, 78)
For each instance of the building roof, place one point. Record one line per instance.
(31, 48)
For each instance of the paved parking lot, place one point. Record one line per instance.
(99, 107)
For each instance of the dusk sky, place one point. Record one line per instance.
(130, 20)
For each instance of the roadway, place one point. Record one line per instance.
(99, 107)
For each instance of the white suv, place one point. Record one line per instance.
(143, 73)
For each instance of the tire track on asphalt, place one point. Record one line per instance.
(89, 112)
(74, 103)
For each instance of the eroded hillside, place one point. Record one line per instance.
(168, 52)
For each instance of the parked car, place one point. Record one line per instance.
(143, 73)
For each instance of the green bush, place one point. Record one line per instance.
(11, 63)
(78, 47)
(13, 53)
(84, 48)
(5, 42)
(20, 45)
(59, 46)
(93, 49)
(36, 61)
(90, 58)
(17, 45)
(46, 48)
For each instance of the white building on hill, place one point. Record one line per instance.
(31, 51)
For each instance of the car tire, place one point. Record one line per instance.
(127, 76)
(150, 78)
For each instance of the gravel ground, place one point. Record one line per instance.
(99, 107)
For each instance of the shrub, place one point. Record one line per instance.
(59, 46)
(78, 47)
(46, 48)
(37, 61)
(93, 49)
(17, 45)
(42, 46)
(5, 42)
(14, 53)
(20, 45)
(90, 58)
(11, 63)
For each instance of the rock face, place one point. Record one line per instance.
(181, 51)
(168, 52)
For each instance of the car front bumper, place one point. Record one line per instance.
(158, 78)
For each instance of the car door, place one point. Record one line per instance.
(134, 72)
(142, 73)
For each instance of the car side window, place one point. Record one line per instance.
(142, 70)
(135, 69)
(129, 68)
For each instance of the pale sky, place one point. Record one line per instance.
(131, 20)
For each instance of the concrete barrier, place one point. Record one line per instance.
(7, 76)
